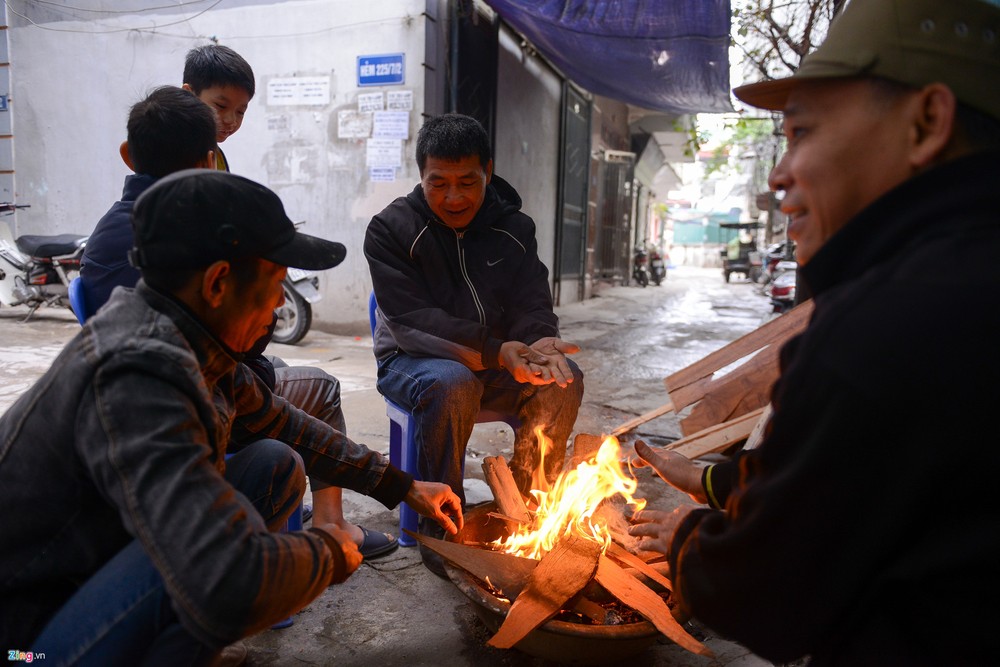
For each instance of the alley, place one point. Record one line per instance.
(393, 611)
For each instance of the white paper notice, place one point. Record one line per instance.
(399, 100)
(382, 174)
(370, 101)
(391, 124)
(299, 90)
(384, 153)
(353, 124)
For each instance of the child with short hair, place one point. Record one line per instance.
(169, 130)
(223, 80)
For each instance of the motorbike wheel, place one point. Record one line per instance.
(643, 279)
(657, 279)
(294, 318)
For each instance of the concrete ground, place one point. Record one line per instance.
(393, 611)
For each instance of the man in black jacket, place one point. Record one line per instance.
(464, 318)
(864, 529)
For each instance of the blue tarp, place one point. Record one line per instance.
(664, 55)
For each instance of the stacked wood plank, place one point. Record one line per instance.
(729, 390)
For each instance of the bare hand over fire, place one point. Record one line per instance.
(543, 362)
(673, 468)
(656, 528)
(437, 501)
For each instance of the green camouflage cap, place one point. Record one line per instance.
(914, 42)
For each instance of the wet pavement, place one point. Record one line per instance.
(393, 611)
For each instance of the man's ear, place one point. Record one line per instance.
(187, 87)
(126, 158)
(214, 283)
(489, 170)
(934, 124)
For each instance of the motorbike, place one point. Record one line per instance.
(295, 314)
(657, 266)
(640, 266)
(36, 270)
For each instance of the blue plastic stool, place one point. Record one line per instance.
(403, 446)
(76, 300)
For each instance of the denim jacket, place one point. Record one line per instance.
(124, 438)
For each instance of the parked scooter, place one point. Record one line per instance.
(36, 270)
(657, 266)
(295, 314)
(640, 266)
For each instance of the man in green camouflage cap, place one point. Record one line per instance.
(864, 529)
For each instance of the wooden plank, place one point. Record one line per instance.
(585, 446)
(734, 394)
(650, 605)
(757, 434)
(560, 575)
(716, 438)
(685, 386)
(505, 492)
(642, 419)
(625, 557)
(506, 572)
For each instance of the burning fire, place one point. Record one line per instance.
(571, 503)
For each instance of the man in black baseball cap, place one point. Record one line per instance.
(197, 216)
(864, 530)
(144, 544)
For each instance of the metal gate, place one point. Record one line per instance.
(571, 225)
(614, 215)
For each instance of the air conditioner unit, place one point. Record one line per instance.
(619, 156)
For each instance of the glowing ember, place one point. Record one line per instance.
(569, 505)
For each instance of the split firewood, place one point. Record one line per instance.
(650, 605)
(505, 491)
(757, 434)
(736, 393)
(693, 382)
(560, 575)
(506, 572)
(585, 446)
(591, 610)
(626, 557)
(625, 427)
(717, 438)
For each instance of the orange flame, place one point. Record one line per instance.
(570, 504)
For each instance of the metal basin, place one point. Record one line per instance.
(559, 641)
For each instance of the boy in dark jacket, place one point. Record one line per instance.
(464, 319)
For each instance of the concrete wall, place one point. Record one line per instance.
(527, 136)
(73, 81)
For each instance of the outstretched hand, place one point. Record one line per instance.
(656, 528)
(437, 501)
(543, 362)
(673, 468)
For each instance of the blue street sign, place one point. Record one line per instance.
(381, 70)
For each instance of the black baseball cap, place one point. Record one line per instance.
(194, 217)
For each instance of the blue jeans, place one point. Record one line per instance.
(123, 615)
(445, 398)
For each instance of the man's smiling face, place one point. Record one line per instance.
(846, 147)
(455, 189)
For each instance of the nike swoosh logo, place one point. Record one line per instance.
(494, 262)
